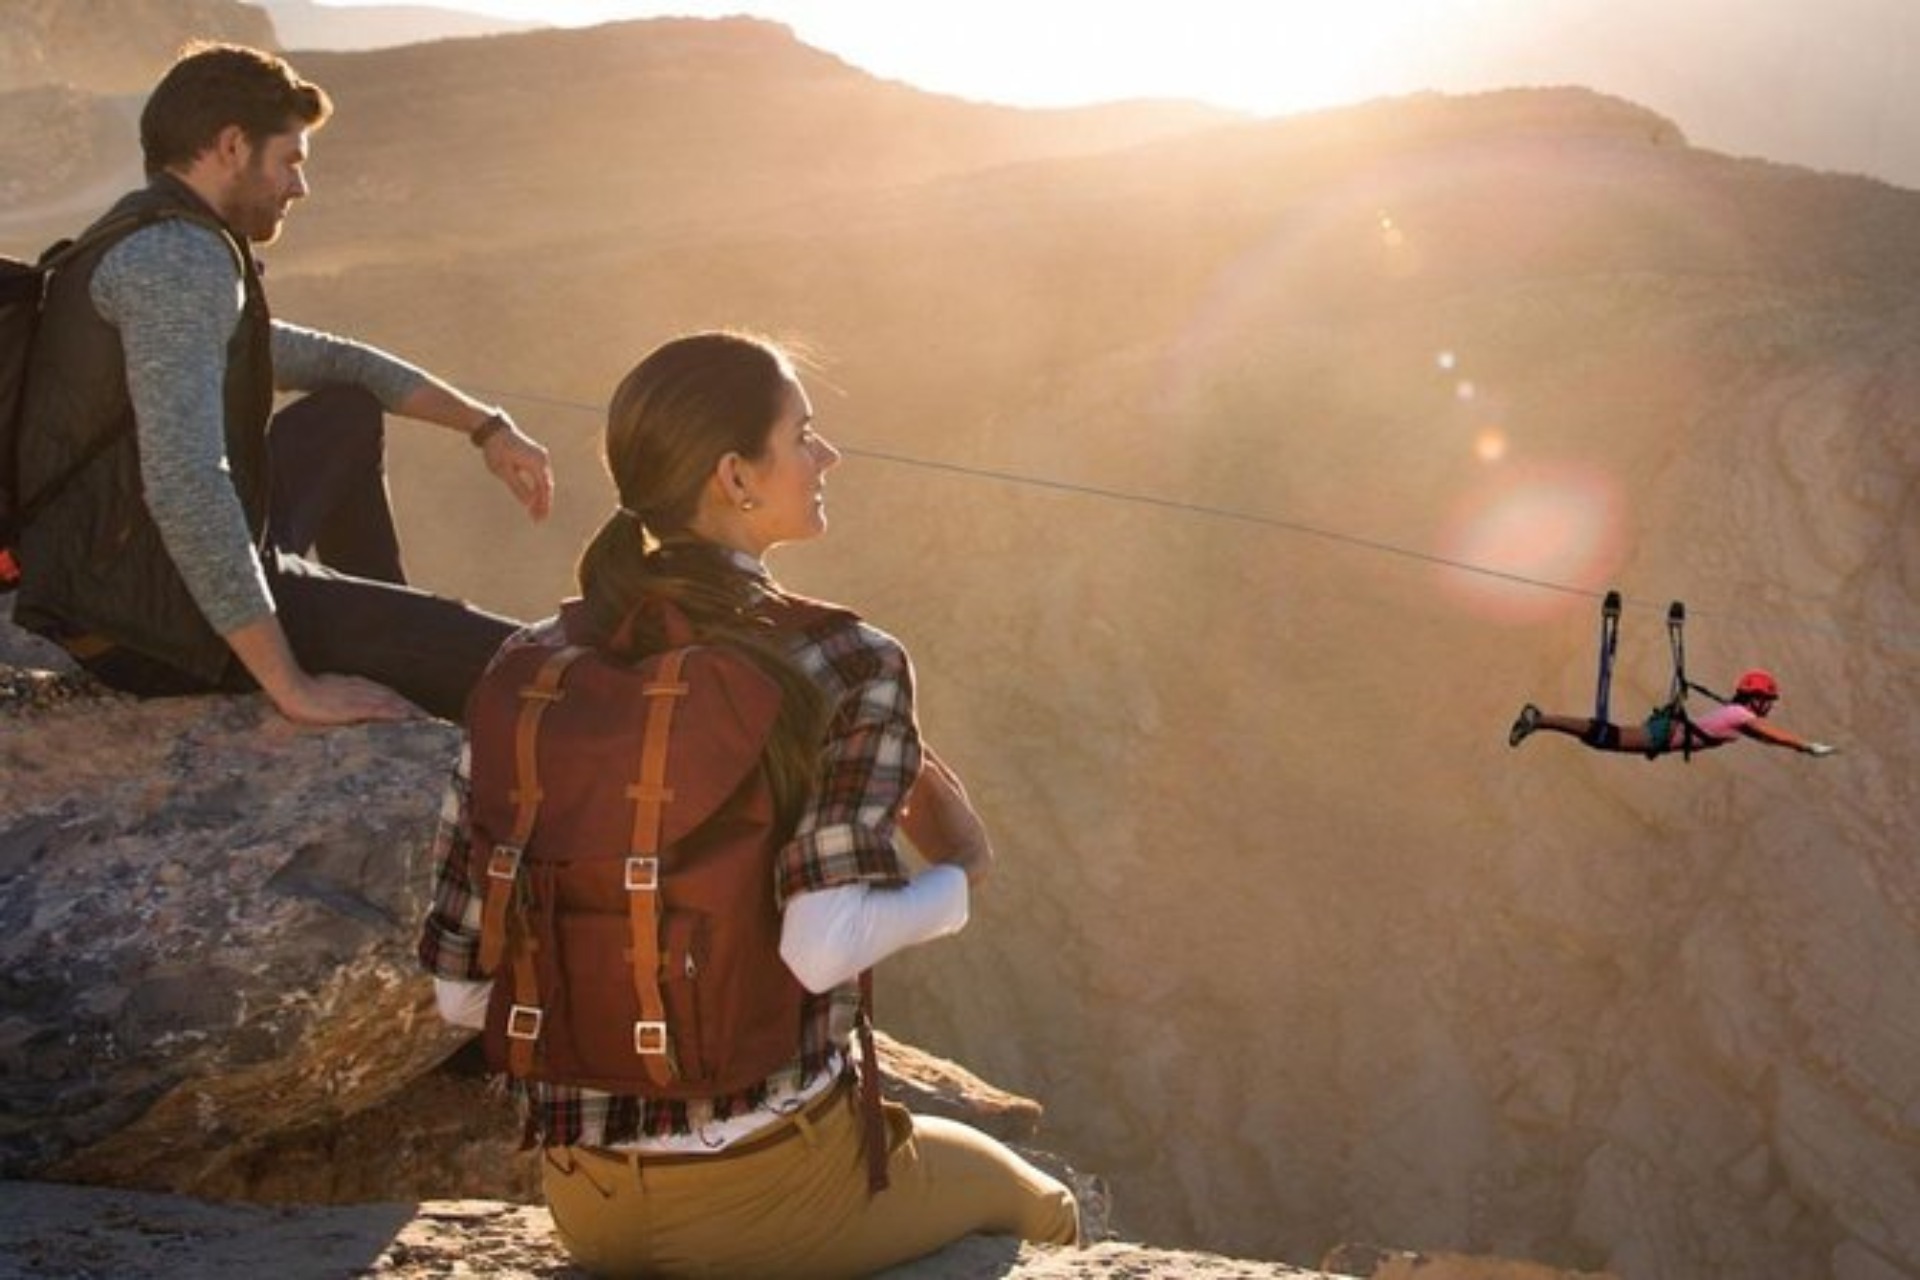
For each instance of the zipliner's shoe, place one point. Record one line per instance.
(1524, 724)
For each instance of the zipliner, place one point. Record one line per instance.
(1668, 727)
(1743, 716)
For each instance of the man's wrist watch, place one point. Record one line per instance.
(496, 423)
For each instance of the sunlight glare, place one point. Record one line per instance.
(1560, 526)
(1271, 58)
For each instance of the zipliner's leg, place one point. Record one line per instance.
(1601, 735)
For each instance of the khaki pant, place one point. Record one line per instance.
(798, 1206)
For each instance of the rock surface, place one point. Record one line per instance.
(54, 1230)
(206, 931)
(50, 1230)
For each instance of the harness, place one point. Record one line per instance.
(1674, 710)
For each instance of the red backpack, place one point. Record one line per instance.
(624, 827)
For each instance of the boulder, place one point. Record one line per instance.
(206, 928)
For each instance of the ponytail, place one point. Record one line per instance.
(625, 568)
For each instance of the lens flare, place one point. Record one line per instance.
(1558, 526)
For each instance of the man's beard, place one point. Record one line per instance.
(259, 211)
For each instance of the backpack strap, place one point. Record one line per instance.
(873, 1119)
(650, 795)
(504, 865)
(57, 255)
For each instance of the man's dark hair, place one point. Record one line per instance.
(212, 86)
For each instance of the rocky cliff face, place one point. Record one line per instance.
(115, 46)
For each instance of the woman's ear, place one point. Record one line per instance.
(730, 473)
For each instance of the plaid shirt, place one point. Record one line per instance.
(845, 836)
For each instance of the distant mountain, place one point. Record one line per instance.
(650, 109)
(1828, 85)
(114, 46)
(57, 145)
(304, 24)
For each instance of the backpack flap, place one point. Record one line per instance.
(708, 715)
(719, 731)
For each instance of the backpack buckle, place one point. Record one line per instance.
(643, 874)
(504, 862)
(523, 1022)
(650, 1038)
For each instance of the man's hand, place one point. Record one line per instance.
(942, 824)
(522, 464)
(334, 699)
(517, 458)
(261, 646)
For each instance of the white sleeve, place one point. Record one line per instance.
(830, 935)
(464, 1004)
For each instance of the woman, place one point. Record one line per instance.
(1742, 717)
(711, 445)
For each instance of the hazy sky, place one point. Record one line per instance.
(1257, 55)
(1831, 83)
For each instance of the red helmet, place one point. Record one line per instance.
(1757, 684)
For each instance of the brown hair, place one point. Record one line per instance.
(212, 86)
(683, 408)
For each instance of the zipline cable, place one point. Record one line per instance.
(1186, 507)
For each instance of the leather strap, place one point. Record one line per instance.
(650, 795)
(503, 866)
(873, 1120)
(506, 865)
(524, 1015)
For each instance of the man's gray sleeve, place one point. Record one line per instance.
(307, 359)
(175, 295)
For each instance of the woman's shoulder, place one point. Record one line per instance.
(841, 639)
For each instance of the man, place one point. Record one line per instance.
(181, 557)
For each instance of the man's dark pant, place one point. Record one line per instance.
(335, 574)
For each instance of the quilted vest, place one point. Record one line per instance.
(93, 561)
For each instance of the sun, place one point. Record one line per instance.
(1269, 58)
